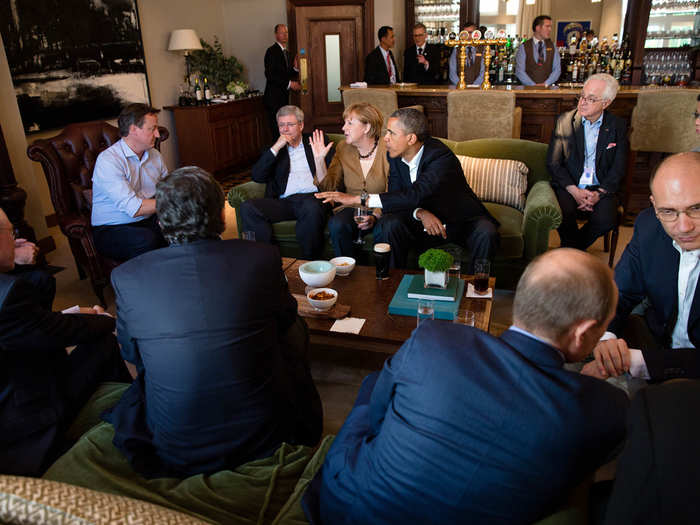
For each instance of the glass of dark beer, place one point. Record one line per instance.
(382, 254)
(482, 267)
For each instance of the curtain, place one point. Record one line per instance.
(527, 13)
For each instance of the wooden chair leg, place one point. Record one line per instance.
(606, 242)
(613, 244)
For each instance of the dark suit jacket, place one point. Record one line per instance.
(440, 187)
(648, 269)
(414, 71)
(274, 170)
(465, 427)
(658, 473)
(375, 68)
(203, 322)
(278, 74)
(567, 152)
(33, 362)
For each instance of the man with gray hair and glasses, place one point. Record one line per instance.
(659, 269)
(587, 161)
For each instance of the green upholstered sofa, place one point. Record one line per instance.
(524, 235)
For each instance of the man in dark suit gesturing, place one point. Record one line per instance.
(463, 427)
(428, 201)
(421, 62)
(289, 170)
(206, 323)
(587, 161)
(281, 74)
(659, 269)
(380, 66)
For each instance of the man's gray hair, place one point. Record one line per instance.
(189, 203)
(550, 299)
(412, 121)
(285, 111)
(611, 85)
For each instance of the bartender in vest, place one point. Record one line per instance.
(537, 61)
(473, 63)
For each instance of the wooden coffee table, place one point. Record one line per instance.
(369, 299)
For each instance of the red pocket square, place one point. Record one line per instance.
(611, 145)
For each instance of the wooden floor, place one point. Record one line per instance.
(337, 379)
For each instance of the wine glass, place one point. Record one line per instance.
(361, 215)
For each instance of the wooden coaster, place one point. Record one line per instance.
(304, 309)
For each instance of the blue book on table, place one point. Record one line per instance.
(402, 305)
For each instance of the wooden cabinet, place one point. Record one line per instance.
(221, 137)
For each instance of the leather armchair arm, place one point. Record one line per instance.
(542, 214)
(243, 192)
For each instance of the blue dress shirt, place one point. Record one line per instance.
(590, 133)
(520, 65)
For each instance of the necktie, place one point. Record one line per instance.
(388, 63)
(540, 53)
(286, 57)
(468, 60)
(420, 50)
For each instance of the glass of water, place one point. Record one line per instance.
(426, 310)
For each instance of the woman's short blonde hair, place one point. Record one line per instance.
(367, 114)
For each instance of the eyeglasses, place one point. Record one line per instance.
(12, 231)
(588, 100)
(418, 34)
(696, 115)
(670, 215)
(284, 125)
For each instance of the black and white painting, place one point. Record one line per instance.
(73, 60)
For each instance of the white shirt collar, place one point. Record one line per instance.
(283, 48)
(686, 253)
(533, 336)
(415, 161)
(598, 120)
(128, 152)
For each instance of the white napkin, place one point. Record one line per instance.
(473, 295)
(350, 325)
(358, 84)
(72, 310)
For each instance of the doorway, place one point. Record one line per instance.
(335, 40)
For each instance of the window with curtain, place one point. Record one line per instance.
(499, 14)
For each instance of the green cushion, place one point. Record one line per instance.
(511, 229)
(250, 494)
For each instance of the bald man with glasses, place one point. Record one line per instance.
(659, 271)
(587, 159)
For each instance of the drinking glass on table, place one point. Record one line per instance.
(482, 267)
(361, 216)
(466, 317)
(248, 235)
(426, 310)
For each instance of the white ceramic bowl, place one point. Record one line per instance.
(317, 273)
(322, 304)
(344, 265)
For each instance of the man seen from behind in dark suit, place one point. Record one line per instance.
(289, 170)
(464, 427)
(587, 159)
(421, 62)
(213, 331)
(380, 65)
(281, 74)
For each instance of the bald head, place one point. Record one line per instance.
(681, 168)
(561, 288)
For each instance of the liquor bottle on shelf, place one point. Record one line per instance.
(198, 92)
(574, 68)
(207, 92)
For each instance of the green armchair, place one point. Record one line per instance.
(524, 235)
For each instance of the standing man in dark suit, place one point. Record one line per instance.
(429, 201)
(587, 159)
(537, 61)
(380, 66)
(421, 62)
(207, 323)
(281, 73)
(660, 269)
(289, 170)
(42, 386)
(463, 427)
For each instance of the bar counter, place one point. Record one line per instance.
(541, 106)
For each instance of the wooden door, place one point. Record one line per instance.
(335, 39)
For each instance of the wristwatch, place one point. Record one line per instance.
(363, 198)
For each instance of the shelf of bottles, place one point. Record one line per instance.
(673, 23)
(439, 16)
(502, 67)
(580, 62)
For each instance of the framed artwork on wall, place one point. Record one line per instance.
(74, 60)
(565, 30)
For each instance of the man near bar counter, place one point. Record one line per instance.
(659, 269)
(473, 63)
(421, 62)
(537, 61)
(380, 66)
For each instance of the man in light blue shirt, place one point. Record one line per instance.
(124, 185)
(473, 65)
(537, 61)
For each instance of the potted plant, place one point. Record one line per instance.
(436, 263)
(211, 62)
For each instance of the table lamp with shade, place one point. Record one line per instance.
(184, 40)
